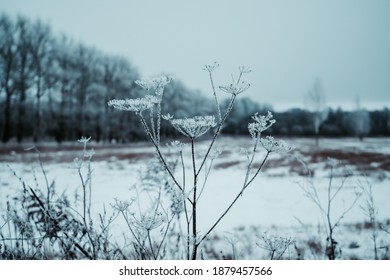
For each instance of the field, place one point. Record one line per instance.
(273, 208)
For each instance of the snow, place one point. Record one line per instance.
(274, 202)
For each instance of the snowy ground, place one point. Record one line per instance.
(274, 203)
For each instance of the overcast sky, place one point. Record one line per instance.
(287, 44)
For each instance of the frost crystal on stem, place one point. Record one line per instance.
(193, 127)
(135, 105)
(272, 145)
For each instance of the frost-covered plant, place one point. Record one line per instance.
(192, 127)
(270, 144)
(235, 89)
(150, 222)
(47, 225)
(184, 193)
(260, 124)
(155, 83)
(338, 176)
(277, 246)
(371, 211)
(135, 105)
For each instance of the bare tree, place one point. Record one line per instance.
(40, 48)
(24, 77)
(7, 64)
(316, 104)
(84, 60)
(360, 122)
(117, 78)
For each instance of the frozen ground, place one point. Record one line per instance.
(274, 203)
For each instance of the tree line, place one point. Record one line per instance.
(53, 88)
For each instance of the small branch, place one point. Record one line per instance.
(158, 121)
(234, 200)
(258, 171)
(205, 179)
(164, 236)
(215, 97)
(152, 125)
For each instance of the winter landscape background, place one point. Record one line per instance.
(81, 179)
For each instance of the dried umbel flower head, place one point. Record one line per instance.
(234, 88)
(231, 238)
(261, 124)
(244, 69)
(120, 205)
(84, 140)
(149, 221)
(272, 145)
(135, 105)
(155, 83)
(176, 145)
(192, 127)
(210, 68)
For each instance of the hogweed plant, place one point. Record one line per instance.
(186, 182)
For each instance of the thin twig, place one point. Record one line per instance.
(234, 201)
(215, 97)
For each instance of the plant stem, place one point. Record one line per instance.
(185, 205)
(332, 253)
(216, 98)
(151, 245)
(194, 202)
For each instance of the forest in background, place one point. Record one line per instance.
(55, 89)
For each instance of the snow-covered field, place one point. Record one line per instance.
(275, 203)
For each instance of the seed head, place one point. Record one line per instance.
(193, 127)
(135, 105)
(155, 83)
(234, 88)
(272, 145)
